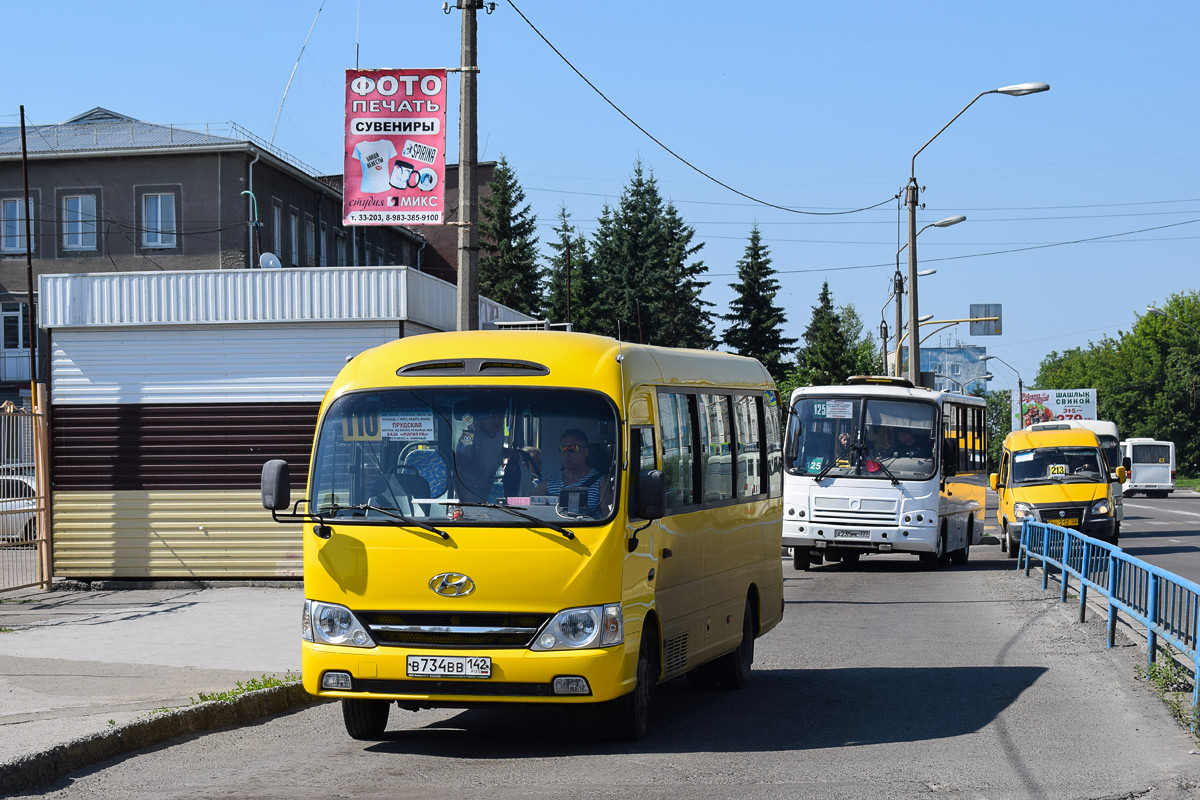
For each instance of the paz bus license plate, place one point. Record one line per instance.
(449, 667)
(846, 533)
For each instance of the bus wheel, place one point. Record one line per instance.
(365, 719)
(961, 557)
(933, 560)
(801, 558)
(733, 669)
(1014, 545)
(630, 718)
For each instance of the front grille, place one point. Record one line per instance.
(475, 688)
(425, 629)
(1062, 511)
(867, 511)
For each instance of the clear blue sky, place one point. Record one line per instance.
(814, 106)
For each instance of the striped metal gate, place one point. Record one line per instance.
(24, 517)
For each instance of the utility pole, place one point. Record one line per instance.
(29, 269)
(898, 289)
(468, 150)
(914, 341)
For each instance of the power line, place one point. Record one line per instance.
(680, 158)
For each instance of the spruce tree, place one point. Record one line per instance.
(685, 319)
(827, 357)
(508, 262)
(571, 287)
(755, 322)
(648, 287)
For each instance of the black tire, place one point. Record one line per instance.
(801, 558)
(630, 714)
(1116, 534)
(29, 533)
(733, 669)
(934, 560)
(961, 557)
(1014, 545)
(365, 719)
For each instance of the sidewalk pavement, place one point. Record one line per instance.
(88, 675)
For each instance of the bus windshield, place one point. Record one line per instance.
(466, 456)
(870, 437)
(1057, 464)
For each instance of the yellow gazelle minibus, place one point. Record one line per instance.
(529, 517)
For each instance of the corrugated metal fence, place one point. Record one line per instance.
(24, 543)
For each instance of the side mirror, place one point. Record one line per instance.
(1127, 463)
(994, 481)
(650, 495)
(1122, 474)
(950, 457)
(276, 485)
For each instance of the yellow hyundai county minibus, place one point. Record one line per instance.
(500, 517)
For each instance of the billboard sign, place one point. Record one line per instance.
(395, 147)
(1048, 405)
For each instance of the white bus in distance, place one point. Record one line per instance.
(880, 466)
(1151, 465)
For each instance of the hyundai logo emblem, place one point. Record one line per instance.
(451, 584)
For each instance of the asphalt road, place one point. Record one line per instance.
(883, 681)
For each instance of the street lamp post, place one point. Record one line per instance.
(911, 197)
(1158, 312)
(1020, 386)
(898, 280)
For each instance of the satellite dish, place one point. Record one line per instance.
(269, 261)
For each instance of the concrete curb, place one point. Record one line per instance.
(29, 772)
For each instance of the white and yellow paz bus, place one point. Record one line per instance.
(535, 517)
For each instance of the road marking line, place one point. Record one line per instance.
(1167, 510)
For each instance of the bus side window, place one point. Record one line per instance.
(676, 433)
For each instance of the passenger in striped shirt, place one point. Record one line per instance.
(575, 472)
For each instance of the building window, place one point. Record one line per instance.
(310, 243)
(323, 245)
(12, 225)
(16, 324)
(158, 220)
(277, 227)
(955, 369)
(294, 239)
(339, 238)
(79, 222)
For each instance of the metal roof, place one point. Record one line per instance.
(100, 130)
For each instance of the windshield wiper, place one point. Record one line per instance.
(529, 517)
(833, 462)
(393, 513)
(886, 471)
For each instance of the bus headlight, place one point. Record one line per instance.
(579, 628)
(1101, 508)
(1024, 511)
(332, 624)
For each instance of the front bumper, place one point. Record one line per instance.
(518, 675)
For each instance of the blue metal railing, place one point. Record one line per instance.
(1166, 604)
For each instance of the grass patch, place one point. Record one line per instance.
(240, 688)
(252, 685)
(8, 630)
(1187, 483)
(1172, 683)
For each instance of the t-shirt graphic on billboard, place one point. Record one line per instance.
(374, 158)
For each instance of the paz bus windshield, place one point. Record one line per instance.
(467, 456)
(863, 437)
